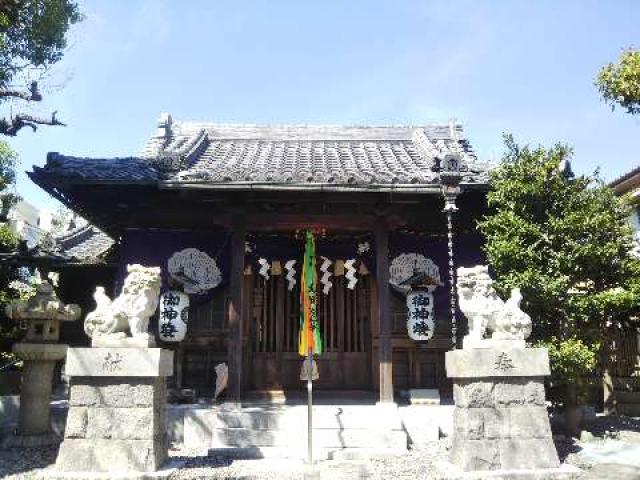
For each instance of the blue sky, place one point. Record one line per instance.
(523, 67)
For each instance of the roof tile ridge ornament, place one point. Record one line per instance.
(162, 138)
(53, 159)
(165, 127)
(169, 160)
(426, 148)
(444, 158)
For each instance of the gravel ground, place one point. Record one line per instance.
(416, 464)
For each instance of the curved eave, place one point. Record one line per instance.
(317, 187)
(41, 177)
(53, 184)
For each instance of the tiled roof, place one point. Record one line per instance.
(626, 182)
(130, 169)
(287, 156)
(85, 243)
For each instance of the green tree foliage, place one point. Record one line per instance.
(571, 360)
(8, 160)
(32, 38)
(8, 244)
(565, 241)
(619, 83)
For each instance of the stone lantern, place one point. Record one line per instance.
(43, 314)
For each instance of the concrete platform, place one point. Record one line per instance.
(280, 431)
(426, 423)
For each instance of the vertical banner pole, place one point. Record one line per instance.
(453, 294)
(310, 409)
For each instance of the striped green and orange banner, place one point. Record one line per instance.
(310, 338)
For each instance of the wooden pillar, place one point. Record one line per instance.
(234, 351)
(384, 312)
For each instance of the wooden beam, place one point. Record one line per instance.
(384, 311)
(284, 221)
(234, 351)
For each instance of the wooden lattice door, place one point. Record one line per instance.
(344, 318)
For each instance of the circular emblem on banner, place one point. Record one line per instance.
(195, 270)
(407, 265)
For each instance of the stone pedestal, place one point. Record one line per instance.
(35, 394)
(117, 411)
(501, 427)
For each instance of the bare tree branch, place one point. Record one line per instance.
(13, 126)
(32, 95)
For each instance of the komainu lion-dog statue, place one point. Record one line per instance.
(108, 324)
(487, 313)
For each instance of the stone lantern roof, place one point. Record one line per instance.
(42, 313)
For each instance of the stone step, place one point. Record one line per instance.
(251, 453)
(300, 452)
(423, 423)
(323, 417)
(322, 438)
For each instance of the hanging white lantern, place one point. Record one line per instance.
(420, 322)
(174, 316)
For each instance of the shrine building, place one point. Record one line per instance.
(222, 209)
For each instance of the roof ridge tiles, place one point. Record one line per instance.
(195, 124)
(292, 154)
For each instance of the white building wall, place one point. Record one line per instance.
(29, 222)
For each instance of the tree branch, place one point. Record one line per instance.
(11, 128)
(32, 95)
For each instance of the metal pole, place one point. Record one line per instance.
(309, 409)
(452, 277)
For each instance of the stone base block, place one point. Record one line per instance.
(112, 456)
(500, 422)
(449, 471)
(117, 411)
(119, 340)
(119, 362)
(490, 362)
(504, 454)
(495, 343)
